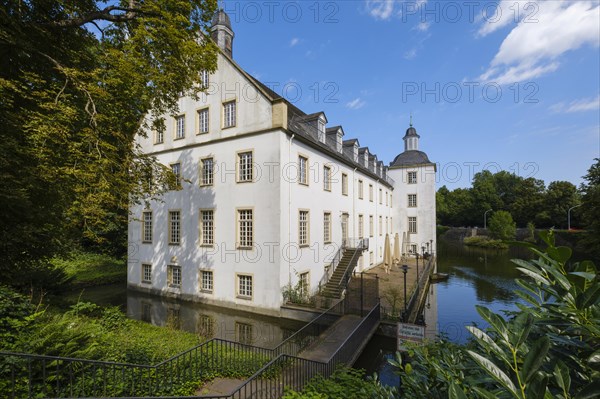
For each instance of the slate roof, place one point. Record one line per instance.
(411, 157)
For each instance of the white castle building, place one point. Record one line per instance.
(268, 196)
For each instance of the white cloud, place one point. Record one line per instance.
(411, 54)
(586, 104)
(507, 11)
(380, 9)
(294, 41)
(357, 103)
(423, 26)
(532, 49)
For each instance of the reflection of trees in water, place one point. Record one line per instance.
(489, 288)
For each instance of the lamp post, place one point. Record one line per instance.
(423, 253)
(431, 242)
(569, 216)
(404, 270)
(485, 218)
(417, 254)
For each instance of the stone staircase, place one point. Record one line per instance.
(333, 288)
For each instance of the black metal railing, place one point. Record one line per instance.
(360, 245)
(331, 267)
(413, 302)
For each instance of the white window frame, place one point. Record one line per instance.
(303, 171)
(245, 164)
(371, 226)
(412, 200)
(344, 184)
(146, 273)
(207, 227)
(203, 121)
(380, 225)
(412, 177)
(245, 228)
(327, 227)
(180, 127)
(204, 79)
(207, 282)
(207, 173)
(244, 286)
(327, 178)
(360, 189)
(147, 224)
(370, 192)
(229, 114)
(303, 227)
(174, 276)
(361, 226)
(159, 136)
(304, 283)
(174, 227)
(412, 224)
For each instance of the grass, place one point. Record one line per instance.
(485, 242)
(89, 269)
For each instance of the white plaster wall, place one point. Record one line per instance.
(225, 196)
(425, 210)
(296, 196)
(254, 111)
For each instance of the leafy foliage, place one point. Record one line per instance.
(485, 242)
(344, 383)
(78, 80)
(549, 348)
(502, 226)
(590, 209)
(527, 200)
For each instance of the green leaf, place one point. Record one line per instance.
(520, 328)
(494, 320)
(495, 372)
(534, 359)
(536, 389)
(589, 297)
(455, 392)
(487, 342)
(485, 393)
(594, 360)
(562, 376)
(586, 275)
(560, 254)
(590, 391)
(534, 276)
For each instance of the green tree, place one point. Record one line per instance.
(502, 226)
(560, 196)
(78, 80)
(590, 209)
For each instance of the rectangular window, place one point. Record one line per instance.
(360, 189)
(327, 227)
(159, 136)
(412, 200)
(245, 228)
(203, 121)
(302, 170)
(229, 116)
(303, 228)
(326, 178)
(371, 192)
(206, 326)
(245, 166)
(412, 177)
(361, 227)
(207, 171)
(179, 127)
(176, 169)
(147, 229)
(412, 224)
(390, 200)
(204, 82)
(380, 225)
(371, 226)
(147, 312)
(244, 286)
(174, 227)
(387, 224)
(174, 275)
(344, 184)
(304, 284)
(243, 333)
(386, 199)
(207, 227)
(146, 273)
(413, 248)
(371, 258)
(206, 281)
(380, 196)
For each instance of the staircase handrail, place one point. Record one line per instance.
(362, 244)
(332, 266)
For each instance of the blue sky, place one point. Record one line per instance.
(505, 85)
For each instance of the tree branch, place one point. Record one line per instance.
(100, 15)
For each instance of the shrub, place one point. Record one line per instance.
(502, 226)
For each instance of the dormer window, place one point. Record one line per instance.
(321, 130)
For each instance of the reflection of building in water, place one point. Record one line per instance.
(430, 313)
(210, 321)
